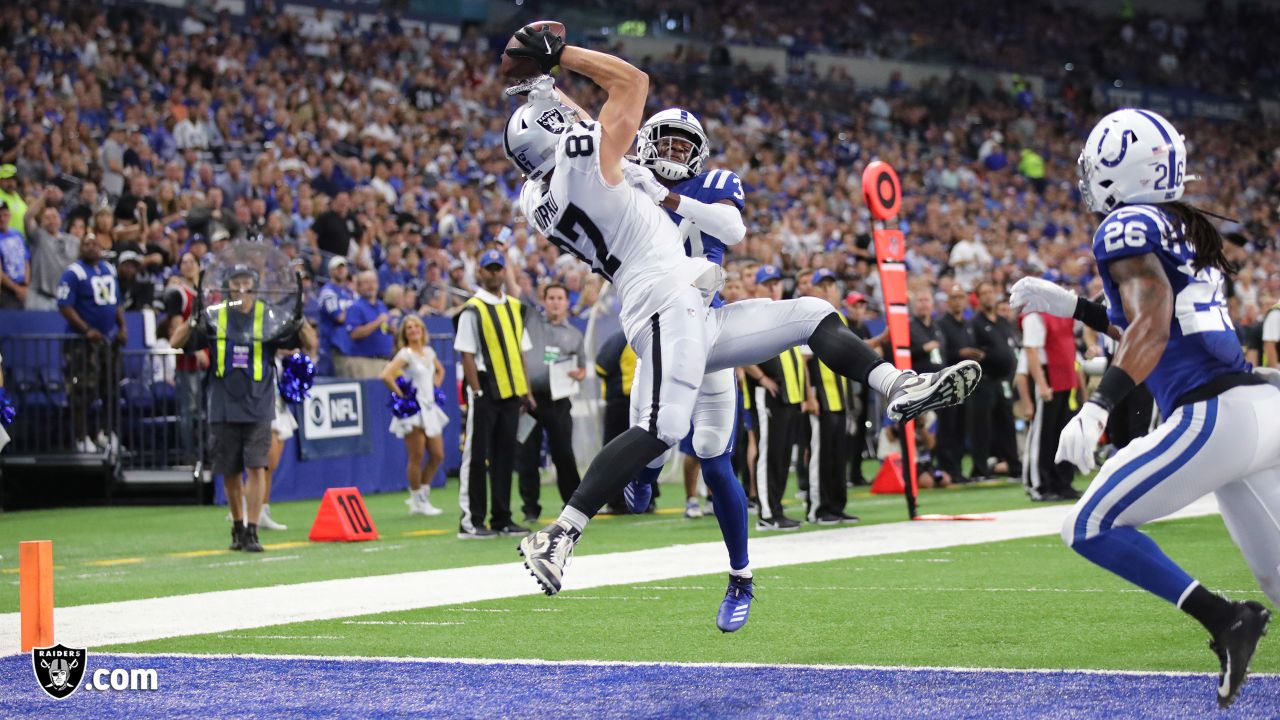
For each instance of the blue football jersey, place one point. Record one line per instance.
(1202, 340)
(709, 187)
(93, 292)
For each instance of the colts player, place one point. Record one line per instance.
(707, 209)
(1162, 265)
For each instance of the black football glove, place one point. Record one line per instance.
(539, 45)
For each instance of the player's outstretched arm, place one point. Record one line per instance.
(1148, 303)
(1036, 295)
(623, 111)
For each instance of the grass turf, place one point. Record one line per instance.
(126, 553)
(1021, 603)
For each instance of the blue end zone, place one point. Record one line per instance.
(257, 687)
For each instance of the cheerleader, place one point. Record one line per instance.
(416, 360)
(283, 427)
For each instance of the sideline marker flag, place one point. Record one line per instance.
(883, 195)
(342, 517)
(35, 593)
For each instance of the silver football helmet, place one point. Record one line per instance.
(534, 129)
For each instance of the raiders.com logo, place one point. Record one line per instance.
(58, 669)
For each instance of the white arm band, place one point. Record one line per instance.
(718, 219)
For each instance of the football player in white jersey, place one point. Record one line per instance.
(577, 196)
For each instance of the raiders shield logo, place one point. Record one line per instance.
(553, 121)
(58, 669)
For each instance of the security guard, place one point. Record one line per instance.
(779, 393)
(491, 339)
(241, 391)
(828, 450)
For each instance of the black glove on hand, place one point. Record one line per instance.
(540, 45)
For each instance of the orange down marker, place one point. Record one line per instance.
(35, 590)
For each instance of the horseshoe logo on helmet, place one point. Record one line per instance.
(1124, 147)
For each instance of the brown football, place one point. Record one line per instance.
(524, 68)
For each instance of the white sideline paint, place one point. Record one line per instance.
(671, 663)
(227, 610)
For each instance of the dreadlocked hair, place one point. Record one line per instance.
(1203, 236)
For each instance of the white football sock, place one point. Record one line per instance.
(882, 377)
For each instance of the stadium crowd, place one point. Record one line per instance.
(373, 155)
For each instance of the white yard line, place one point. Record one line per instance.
(231, 610)
(665, 663)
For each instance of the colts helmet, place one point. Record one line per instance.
(1132, 156)
(672, 123)
(534, 130)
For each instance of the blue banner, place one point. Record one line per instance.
(333, 420)
(1175, 104)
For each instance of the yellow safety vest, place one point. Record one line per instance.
(221, 344)
(501, 329)
(746, 394)
(793, 381)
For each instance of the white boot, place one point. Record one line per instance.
(266, 522)
(415, 503)
(424, 501)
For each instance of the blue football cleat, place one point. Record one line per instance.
(638, 493)
(736, 606)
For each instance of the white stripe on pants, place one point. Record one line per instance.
(1225, 445)
(762, 456)
(464, 473)
(815, 475)
(1031, 463)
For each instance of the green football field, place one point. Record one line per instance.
(1027, 603)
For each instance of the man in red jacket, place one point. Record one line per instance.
(1051, 363)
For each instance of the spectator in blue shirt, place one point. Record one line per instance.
(393, 271)
(369, 325)
(15, 264)
(335, 298)
(88, 297)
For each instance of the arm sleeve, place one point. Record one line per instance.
(717, 219)
(1033, 331)
(465, 340)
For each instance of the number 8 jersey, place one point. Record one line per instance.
(618, 231)
(1202, 340)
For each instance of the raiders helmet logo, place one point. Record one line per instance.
(553, 121)
(58, 669)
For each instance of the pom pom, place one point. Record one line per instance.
(297, 376)
(405, 404)
(440, 396)
(7, 410)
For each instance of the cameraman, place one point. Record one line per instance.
(241, 391)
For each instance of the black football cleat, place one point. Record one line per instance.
(1235, 647)
(237, 539)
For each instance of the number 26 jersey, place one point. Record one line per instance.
(1202, 341)
(618, 231)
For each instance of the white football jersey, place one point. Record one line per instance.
(618, 231)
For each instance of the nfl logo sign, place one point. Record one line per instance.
(58, 669)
